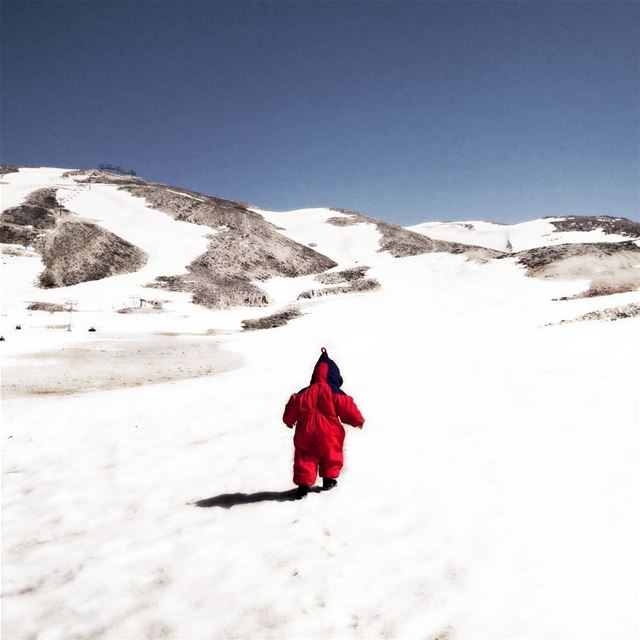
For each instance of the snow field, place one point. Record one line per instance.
(490, 494)
(510, 237)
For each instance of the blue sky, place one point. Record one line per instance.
(406, 111)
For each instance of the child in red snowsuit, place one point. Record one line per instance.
(317, 411)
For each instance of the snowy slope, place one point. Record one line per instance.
(170, 245)
(492, 493)
(511, 237)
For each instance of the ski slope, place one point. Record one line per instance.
(169, 244)
(491, 494)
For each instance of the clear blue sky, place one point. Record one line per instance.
(406, 111)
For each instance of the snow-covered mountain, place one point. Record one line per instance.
(491, 493)
(543, 232)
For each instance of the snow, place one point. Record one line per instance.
(510, 237)
(24, 181)
(348, 245)
(491, 494)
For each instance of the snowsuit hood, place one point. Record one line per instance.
(326, 370)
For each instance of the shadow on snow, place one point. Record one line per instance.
(228, 500)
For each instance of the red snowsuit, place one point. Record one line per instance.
(317, 412)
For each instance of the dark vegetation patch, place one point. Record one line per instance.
(26, 223)
(631, 310)
(608, 224)
(214, 292)
(29, 215)
(539, 257)
(274, 320)
(347, 275)
(14, 234)
(51, 307)
(343, 222)
(81, 251)
(8, 168)
(357, 286)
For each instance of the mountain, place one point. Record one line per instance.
(543, 232)
(492, 492)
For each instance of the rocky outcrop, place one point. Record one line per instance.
(81, 251)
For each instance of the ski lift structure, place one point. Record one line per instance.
(110, 168)
(70, 308)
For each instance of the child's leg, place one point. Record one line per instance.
(305, 467)
(332, 458)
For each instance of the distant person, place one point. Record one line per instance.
(317, 412)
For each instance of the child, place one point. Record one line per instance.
(317, 412)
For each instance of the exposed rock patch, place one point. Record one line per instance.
(608, 224)
(274, 320)
(81, 251)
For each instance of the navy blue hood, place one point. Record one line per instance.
(326, 369)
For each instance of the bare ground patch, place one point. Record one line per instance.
(610, 267)
(346, 275)
(608, 224)
(357, 286)
(115, 363)
(631, 310)
(274, 320)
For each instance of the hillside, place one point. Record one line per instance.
(146, 471)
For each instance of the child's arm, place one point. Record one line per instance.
(347, 410)
(290, 416)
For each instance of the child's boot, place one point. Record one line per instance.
(328, 483)
(302, 491)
